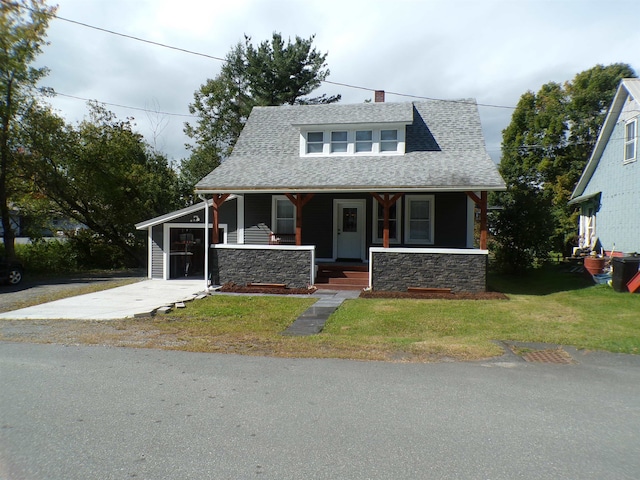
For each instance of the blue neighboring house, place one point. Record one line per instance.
(608, 191)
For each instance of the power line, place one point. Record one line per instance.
(192, 52)
(151, 42)
(125, 106)
(112, 32)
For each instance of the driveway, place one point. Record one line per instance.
(136, 299)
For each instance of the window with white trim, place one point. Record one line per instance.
(630, 140)
(389, 140)
(358, 141)
(283, 214)
(364, 141)
(394, 222)
(315, 142)
(339, 142)
(419, 222)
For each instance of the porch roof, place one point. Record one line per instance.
(167, 217)
(585, 198)
(445, 151)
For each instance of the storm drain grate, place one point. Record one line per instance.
(548, 356)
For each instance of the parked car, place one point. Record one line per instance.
(10, 271)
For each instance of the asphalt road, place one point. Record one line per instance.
(108, 413)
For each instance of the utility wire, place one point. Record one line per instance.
(192, 52)
(151, 42)
(125, 106)
(112, 32)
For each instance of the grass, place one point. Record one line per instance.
(548, 306)
(595, 318)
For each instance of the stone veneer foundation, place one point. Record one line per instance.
(291, 265)
(397, 269)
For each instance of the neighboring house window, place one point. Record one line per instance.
(394, 223)
(339, 142)
(315, 142)
(419, 219)
(630, 140)
(587, 228)
(389, 140)
(364, 141)
(283, 215)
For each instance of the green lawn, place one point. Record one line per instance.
(548, 306)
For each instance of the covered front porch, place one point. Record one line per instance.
(389, 269)
(327, 240)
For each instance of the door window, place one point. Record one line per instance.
(350, 219)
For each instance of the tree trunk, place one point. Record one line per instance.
(8, 234)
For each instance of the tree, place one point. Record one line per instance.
(544, 151)
(22, 35)
(100, 173)
(271, 74)
(279, 74)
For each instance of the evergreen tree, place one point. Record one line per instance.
(273, 73)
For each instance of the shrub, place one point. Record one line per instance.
(92, 251)
(47, 256)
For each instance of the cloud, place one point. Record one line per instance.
(491, 50)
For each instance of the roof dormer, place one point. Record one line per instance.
(370, 130)
(347, 140)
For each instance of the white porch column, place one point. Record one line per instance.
(240, 218)
(206, 243)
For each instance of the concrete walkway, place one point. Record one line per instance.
(313, 319)
(136, 299)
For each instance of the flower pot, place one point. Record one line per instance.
(594, 265)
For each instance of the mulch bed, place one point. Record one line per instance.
(235, 288)
(436, 295)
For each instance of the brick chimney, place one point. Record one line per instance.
(379, 96)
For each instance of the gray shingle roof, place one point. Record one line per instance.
(445, 150)
(355, 113)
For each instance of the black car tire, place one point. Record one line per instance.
(15, 276)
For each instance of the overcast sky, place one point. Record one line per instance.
(490, 50)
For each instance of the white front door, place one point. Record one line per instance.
(349, 221)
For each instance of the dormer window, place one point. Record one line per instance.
(315, 142)
(364, 141)
(389, 140)
(356, 141)
(339, 142)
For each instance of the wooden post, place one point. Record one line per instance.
(218, 200)
(483, 220)
(299, 201)
(481, 203)
(386, 203)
